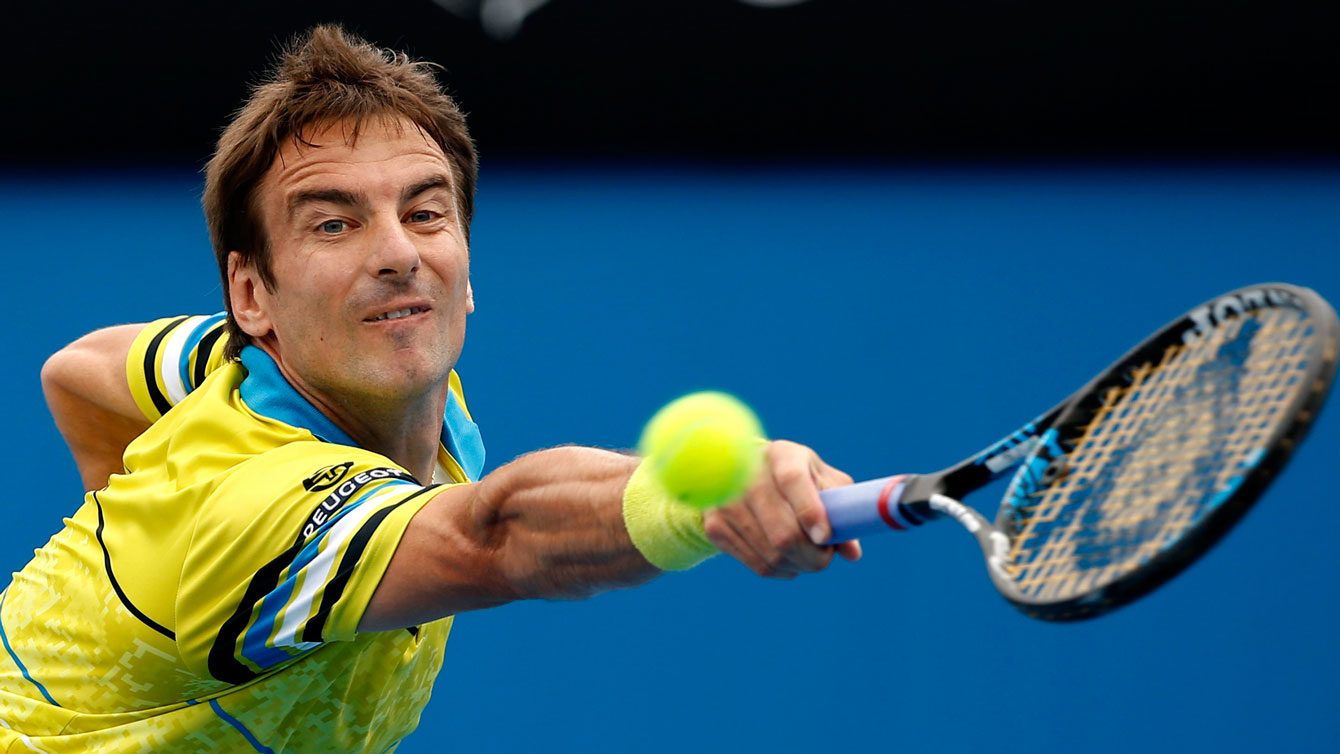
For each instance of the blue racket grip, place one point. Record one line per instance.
(866, 508)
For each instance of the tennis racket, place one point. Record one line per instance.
(1123, 484)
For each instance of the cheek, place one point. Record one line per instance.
(454, 277)
(308, 306)
(460, 275)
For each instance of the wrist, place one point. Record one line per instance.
(666, 532)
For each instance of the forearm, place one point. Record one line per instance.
(549, 525)
(556, 520)
(97, 437)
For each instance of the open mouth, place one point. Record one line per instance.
(397, 314)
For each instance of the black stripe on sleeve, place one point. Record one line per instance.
(223, 662)
(315, 627)
(150, 374)
(116, 586)
(202, 352)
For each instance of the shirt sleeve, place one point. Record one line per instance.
(171, 357)
(287, 554)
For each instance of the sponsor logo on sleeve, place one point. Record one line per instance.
(345, 490)
(328, 477)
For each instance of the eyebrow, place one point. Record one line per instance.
(330, 196)
(426, 185)
(355, 198)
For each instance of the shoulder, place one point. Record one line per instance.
(285, 553)
(299, 477)
(310, 472)
(171, 357)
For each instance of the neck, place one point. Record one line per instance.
(405, 429)
(407, 433)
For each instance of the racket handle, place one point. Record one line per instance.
(868, 507)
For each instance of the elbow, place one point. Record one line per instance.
(552, 525)
(440, 567)
(58, 372)
(74, 365)
(495, 531)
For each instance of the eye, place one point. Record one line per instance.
(332, 226)
(422, 216)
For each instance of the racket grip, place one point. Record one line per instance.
(866, 508)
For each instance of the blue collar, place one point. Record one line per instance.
(266, 392)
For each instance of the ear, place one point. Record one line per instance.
(469, 298)
(250, 299)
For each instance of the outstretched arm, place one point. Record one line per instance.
(90, 401)
(551, 525)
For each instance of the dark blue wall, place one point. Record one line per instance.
(893, 320)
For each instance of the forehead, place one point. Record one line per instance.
(379, 154)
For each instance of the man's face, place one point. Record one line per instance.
(370, 264)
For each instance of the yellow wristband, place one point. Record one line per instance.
(668, 533)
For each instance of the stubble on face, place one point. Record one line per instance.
(362, 231)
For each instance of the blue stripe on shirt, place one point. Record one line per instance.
(22, 669)
(227, 718)
(255, 643)
(193, 340)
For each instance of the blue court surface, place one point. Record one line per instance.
(896, 320)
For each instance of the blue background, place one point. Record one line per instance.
(895, 319)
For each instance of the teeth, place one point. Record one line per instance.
(397, 314)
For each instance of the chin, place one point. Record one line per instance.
(412, 372)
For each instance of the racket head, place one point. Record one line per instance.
(1157, 457)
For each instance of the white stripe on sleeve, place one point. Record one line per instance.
(169, 365)
(299, 609)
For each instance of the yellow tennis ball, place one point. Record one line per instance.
(704, 448)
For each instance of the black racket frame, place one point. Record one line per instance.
(936, 495)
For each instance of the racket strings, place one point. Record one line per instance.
(1159, 453)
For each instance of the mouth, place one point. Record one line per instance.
(408, 311)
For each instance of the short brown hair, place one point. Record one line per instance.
(323, 76)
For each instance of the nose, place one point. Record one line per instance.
(393, 253)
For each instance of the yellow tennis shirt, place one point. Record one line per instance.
(207, 600)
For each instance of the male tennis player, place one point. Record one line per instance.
(273, 565)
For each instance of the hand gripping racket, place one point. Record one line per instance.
(1124, 483)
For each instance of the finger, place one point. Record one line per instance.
(721, 533)
(751, 529)
(788, 509)
(795, 471)
(850, 550)
(829, 478)
(782, 536)
(722, 530)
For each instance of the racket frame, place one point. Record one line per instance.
(1034, 450)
